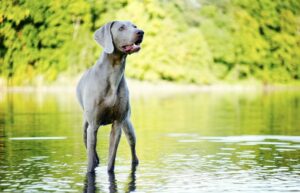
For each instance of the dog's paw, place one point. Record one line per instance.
(92, 165)
(97, 162)
(110, 169)
(90, 169)
(135, 161)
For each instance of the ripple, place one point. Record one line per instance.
(263, 143)
(37, 138)
(250, 138)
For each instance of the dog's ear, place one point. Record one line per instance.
(104, 38)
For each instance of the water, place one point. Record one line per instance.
(201, 142)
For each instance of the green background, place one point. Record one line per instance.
(202, 42)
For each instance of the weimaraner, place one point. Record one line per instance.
(103, 94)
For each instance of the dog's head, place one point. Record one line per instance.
(122, 36)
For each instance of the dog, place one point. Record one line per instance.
(103, 93)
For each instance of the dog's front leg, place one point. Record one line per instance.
(115, 136)
(91, 147)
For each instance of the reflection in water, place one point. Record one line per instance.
(112, 182)
(205, 141)
(90, 183)
(132, 179)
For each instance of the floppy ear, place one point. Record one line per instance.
(104, 38)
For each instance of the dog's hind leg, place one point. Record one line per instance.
(130, 135)
(84, 127)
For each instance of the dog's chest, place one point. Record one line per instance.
(114, 106)
(113, 109)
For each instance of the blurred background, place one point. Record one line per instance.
(190, 41)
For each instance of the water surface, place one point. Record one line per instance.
(200, 142)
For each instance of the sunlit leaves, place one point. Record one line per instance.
(202, 42)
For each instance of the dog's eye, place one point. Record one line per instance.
(122, 28)
(134, 26)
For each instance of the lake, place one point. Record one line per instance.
(210, 141)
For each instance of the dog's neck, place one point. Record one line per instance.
(114, 60)
(115, 66)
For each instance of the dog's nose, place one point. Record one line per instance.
(140, 32)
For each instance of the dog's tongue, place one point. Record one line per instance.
(132, 48)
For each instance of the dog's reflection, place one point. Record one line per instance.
(90, 182)
(131, 184)
(112, 182)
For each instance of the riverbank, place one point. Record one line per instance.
(138, 88)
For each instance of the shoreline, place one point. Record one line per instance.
(137, 87)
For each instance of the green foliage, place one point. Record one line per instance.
(277, 27)
(187, 41)
(44, 38)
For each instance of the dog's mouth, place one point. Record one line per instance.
(131, 48)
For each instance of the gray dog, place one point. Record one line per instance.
(103, 94)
